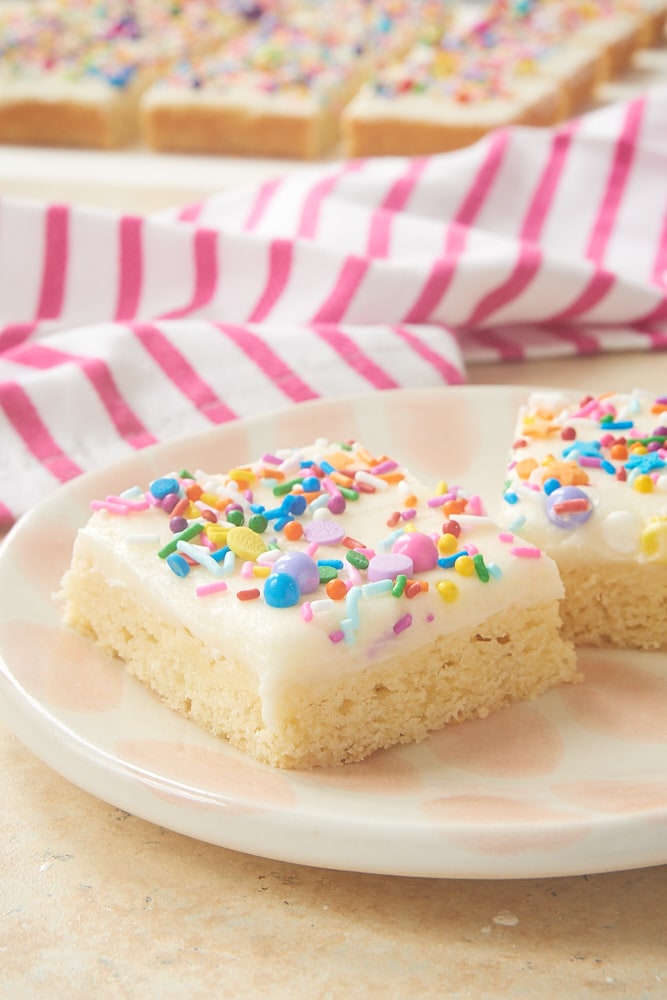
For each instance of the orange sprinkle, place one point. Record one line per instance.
(390, 477)
(411, 500)
(194, 491)
(525, 467)
(293, 531)
(336, 589)
(341, 478)
(181, 507)
(366, 457)
(271, 474)
(619, 451)
(453, 507)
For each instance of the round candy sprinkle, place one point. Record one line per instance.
(451, 527)
(325, 531)
(421, 549)
(281, 590)
(568, 507)
(464, 565)
(336, 590)
(178, 524)
(301, 568)
(258, 523)
(337, 504)
(447, 590)
(387, 566)
(447, 544)
(654, 539)
(621, 530)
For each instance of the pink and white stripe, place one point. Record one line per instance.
(120, 331)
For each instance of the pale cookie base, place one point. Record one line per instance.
(389, 133)
(211, 128)
(622, 605)
(105, 124)
(511, 656)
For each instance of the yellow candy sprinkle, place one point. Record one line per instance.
(210, 498)
(242, 475)
(643, 483)
(465, 566)
(261, 570)
(441, 489)
(447, 545)
(653, 540)
(217, 533)
(447, 590)
(245, 543)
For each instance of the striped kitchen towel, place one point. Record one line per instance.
(120, 331)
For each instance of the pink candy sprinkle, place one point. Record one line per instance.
(402, 624)
(505, 536)
(210, 588)
(475, 505)
(526, 552)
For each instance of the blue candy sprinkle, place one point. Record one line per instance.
(177, 564)
(281, 590)
(161, 487)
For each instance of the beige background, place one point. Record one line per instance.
(95, 903)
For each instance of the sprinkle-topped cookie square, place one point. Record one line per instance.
(318, 603)
(587, 483)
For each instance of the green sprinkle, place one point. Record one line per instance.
(480, 568)
(282, 488)
(348, 493)
(182, 536)
(235, 517)
(399, 585)
(327, 573)
(357, 559)
(660, 438)
(258, 523)
(184, 474)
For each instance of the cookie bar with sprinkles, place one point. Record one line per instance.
(519, 62)
(317, 604)
(587, 483)
(71, 74)
(279, 89)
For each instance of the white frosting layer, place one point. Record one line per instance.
(278, 643)
(627, 517)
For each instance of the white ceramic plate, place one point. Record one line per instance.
(574, 782)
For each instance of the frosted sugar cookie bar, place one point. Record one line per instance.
(587, 483)
(317, 604)
(279, 90)
(72, 75)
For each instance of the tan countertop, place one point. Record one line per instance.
(97, 903)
